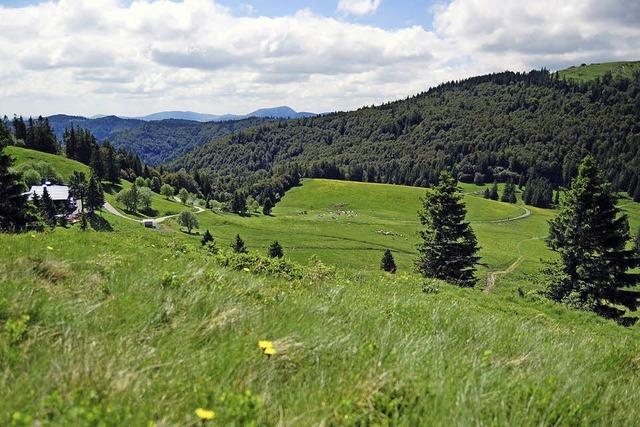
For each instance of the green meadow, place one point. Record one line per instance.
(141, 327)
(593, 71)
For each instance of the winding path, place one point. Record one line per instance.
(109, 208)
(526, 213)
(493, 275)
(491, 278)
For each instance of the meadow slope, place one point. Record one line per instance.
(136, 326)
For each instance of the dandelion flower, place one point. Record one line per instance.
(270, 351)
(205, 414)
(264, 344)
(246, 269)
(33, 235)
(50, 248)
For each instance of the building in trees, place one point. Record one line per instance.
(591, 236)
(449, 247)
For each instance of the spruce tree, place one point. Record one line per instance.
(275, 250)
(95, 195)
(77, 186)
(206, 237)
(591, 236)
(14, 209)
(48, 208)
(448, 250)
(387, 263)
(239, 203)
(509, 194)
(493, 195)
(267, 207)
(238, 245)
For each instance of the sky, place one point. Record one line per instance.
(133, 58)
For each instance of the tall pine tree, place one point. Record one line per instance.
(449, 247)
(591, 237)
(95, 195)
(14, 209)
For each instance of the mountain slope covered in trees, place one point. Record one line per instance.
(495, 127)
(154, 141)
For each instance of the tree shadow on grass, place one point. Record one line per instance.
(149, 212)
(111, 188)
(98, 223)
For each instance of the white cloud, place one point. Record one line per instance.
(358, 7)
(111, 56)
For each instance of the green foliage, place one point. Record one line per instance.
(509, 194)
(50, 166)
(45, 170)
(48, 208)
(167, 191)
(16, 329)
(275, 250)
(188, 220)
(238, 245)
(206, 238)
(387, 263)
(129, 198)
(448, 249)
(94, 194)
(239, 203)
(538, 192)
(591, 237)
(14, 214)
(183, 195)
(493, 194)
(267, 207)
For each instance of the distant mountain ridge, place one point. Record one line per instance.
(282, 112)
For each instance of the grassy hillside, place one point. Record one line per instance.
(62, 165)
(590, 72)
(136, 326)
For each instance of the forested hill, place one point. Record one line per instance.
(156, 141)
(493, 127)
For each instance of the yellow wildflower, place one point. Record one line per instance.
(205, 414)
(264, 344)
(50, 248)
(33, 235)
(270, 351)
(246, 269)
